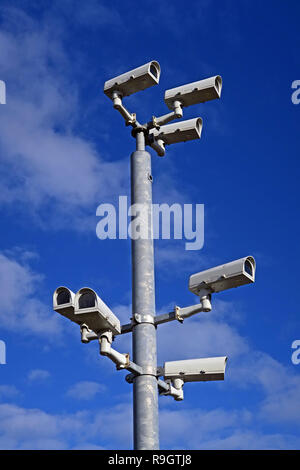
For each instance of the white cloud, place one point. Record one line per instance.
(219, 429)
(44, 162)
(196, 428)
(22, 428)
(20, 309)
(283, 407)
(279, 383)
(85, 390)
(87, 446)
(199, 336)
(38, 375)
(252, 440)
(172, 258)
(8, 391)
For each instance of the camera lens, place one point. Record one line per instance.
(153, 70)
(87, 300)
(248, 267)
(63, 297)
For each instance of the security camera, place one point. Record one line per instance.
(135, 80)
(63, 303)
(178, 132)
(194, 93)
(196, 370)
(225, 276)
(93, 312)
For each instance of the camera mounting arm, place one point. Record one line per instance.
(181, 314)
(160, 121)
(130, 118)
(122, 361)
(157, 145)
(173, 388)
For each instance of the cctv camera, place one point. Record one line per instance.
(135, 80)
(63, 303)
(92, 311)
(178, 132)
(225, 276)
(194, 93)
(196, 370)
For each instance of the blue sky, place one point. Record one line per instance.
(64, 151)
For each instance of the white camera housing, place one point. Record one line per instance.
(180, 131)
(93, 312)
(135, 80)
(64, 303)
(196, 92)
(233, 274)
(196, 370)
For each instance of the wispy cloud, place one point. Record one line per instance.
(8, 391)
(38, 375)
(21, 310)
(44, 161)
(22, 428)
(85, 390)
(92, 14)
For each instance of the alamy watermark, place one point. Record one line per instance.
(296, 354)
(176, 221)
(2, 92)
(296, 94)
(2, 352)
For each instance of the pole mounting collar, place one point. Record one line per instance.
(139, 318)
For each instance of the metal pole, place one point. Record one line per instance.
(145, 394)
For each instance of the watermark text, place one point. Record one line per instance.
(168, 221)
(296, 354)
(2, 92)
(2, 352)
(296, 94)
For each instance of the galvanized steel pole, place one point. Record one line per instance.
(145, 393)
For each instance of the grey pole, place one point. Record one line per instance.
(145, 394)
